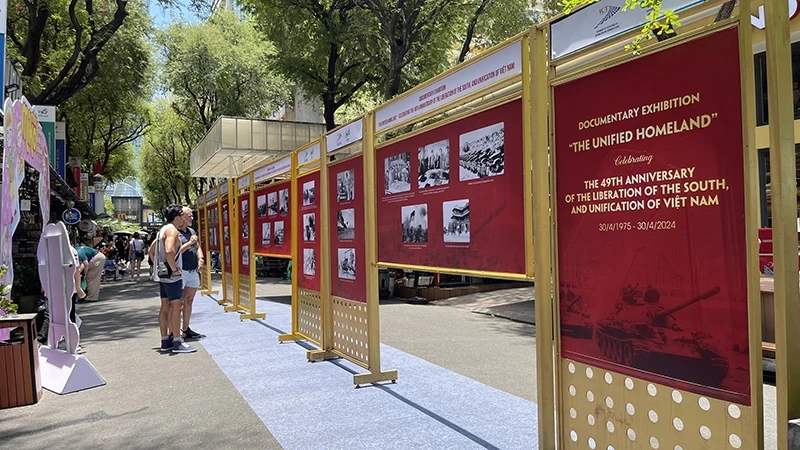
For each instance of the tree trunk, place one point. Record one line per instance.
(392, 81)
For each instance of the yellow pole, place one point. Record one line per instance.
(527, 146)
(233, 229)
(251, 216)
(323, 262)
(375, 374)
(783, 174)
(752, 197)
(293, 213)
(220, 236)
(542, 248)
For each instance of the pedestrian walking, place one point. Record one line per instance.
(136, 256)
(95, 264)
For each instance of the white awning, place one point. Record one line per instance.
(234, 145)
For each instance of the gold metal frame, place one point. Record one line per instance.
(572, 428)
(225, 300)
(232, 198)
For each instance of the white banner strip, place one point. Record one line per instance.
(212, 194)
(279, 167)
(502, 64)
(223, 189)
(308, 155)
(243, 181)
(348, 134)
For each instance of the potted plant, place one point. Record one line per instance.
(7, 307)
(27, 288)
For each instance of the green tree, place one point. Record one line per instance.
(317, 48)
(222, 66)
(104, 118)
(491, 22)
(658, 23)
(59, 44)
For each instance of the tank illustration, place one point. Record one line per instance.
(640, 333)
(574, 322)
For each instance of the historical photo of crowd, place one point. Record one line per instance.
(245, 209)
(245, 255)
(346, 224)
(482, 153)
(415, 223)
(397, 171)
(278, 233)
(272, 203)
(309, 228)
(456, 221)
(347, 263)
(262, 206)
(346, 186)
(309, 262)
(308, 193)
(284, 201)
(266, 233)
(434, 164)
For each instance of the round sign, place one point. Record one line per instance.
(71, 216)
(87, 226)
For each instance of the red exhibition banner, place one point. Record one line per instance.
(442, 179)
(244, 234)
(273, 212)
(308, 249)
(212, 214)
(346, 220)
(651, 220)
(226, 234)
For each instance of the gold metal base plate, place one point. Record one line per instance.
(252, 316)
(233, 308)
(290, 337)
(374, 377)
(321, 355)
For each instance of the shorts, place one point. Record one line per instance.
(171, 291)
(191, 279)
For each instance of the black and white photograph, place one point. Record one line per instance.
(434, 164)
(272, 203)
(346, 223)
(228, 256)
(456, 221)
(266, 233)
(284, 199)
(397, 171)
(309, 228)
(245, 230)
(245, 208)
(278, 233)
(308, 193)
(262, 205)
(347, 263)
(225, 213)
(346, 186)
(309, 262)
(415, 223)
(226, 235)
(245, 255)
(482, 153)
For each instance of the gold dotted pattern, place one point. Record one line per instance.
(608, 411)
(244, 293)
(308, 315)
(350, 329)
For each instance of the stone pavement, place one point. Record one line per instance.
(151, 401)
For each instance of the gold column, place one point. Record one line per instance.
(542, 248)
(293, 213)
(783, 174)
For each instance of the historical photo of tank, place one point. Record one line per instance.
(643, 333)
(456, 221)
(434, 164)
(245, 230)
(309, 228)
(346, 224)
(347, 263)
(575, 322)
(245, 209)
(309, 197)
(245, 255)
(266, 233)
(309, 262)
(272, 204)
(482, 153)
(226, 234)
(346, 186)
(415, 223)
(284, 201)
(279, 233)
(397, 173)
(261, 202)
